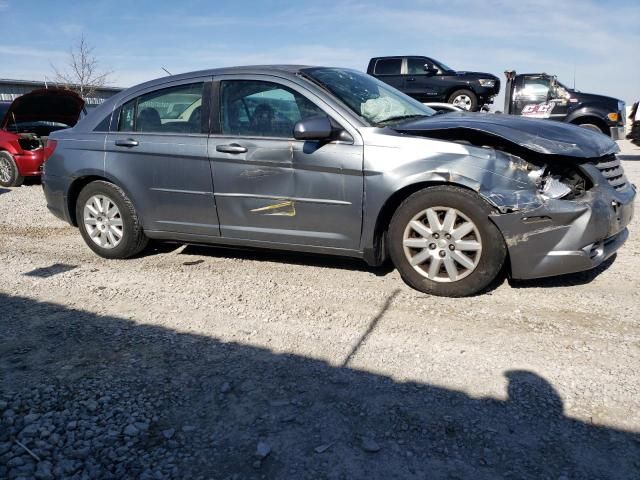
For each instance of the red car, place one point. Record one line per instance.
(27, 123)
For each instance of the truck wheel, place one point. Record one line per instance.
(443, 243)
(9, 174)
(465, 99)
(593, 127)
(108, 221)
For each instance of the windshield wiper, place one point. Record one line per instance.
(401, 117)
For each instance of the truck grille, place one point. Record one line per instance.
(611, 169)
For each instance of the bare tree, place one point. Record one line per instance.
(82, 74)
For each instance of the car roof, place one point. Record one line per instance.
(255, 69)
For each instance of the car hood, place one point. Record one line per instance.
(476, 75)
(45, 105)
(540, 136)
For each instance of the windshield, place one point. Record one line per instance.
(369, 98)
(442, 66)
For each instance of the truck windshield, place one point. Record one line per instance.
(374, 101)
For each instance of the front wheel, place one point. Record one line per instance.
(443, 243)
(593, 127)
(464, 99)
(9, 174)
(108, 221)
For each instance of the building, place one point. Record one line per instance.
(11, 89)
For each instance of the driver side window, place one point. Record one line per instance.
(535, 89)
(262, 109)
(416, 66)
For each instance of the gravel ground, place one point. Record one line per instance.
(193, 362)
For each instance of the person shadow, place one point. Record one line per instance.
(84, 395)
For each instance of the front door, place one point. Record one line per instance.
(532, 98)
(272, 188)
(157, 151)
(421, 82)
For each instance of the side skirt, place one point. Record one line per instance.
(240, 242)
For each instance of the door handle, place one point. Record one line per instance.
(411, 79)
(231, 148)
(129, 142)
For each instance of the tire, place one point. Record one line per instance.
(465, 99)
(99, 223)
(593, 127)
(9, 174)
(470, 212)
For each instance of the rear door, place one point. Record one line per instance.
(270, 187)
(157, 151)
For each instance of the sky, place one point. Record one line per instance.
(598, 39)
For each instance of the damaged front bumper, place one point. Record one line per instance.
(567, 236)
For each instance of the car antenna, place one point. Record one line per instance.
(168, 72)
(574, 76)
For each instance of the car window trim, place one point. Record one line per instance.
(425, 60)
(402, 67)
(217, 91)
(115, 119)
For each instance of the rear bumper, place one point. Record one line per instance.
(565, 236)
(30, 162)
(54, 192)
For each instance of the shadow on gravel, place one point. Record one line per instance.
(569, 280)
(293, 258)
(4, 190)
(102, 397)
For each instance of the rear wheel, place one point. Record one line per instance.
(108, 221)
(464, 99)
(9, 174)
(443, 243)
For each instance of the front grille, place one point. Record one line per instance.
(611, 169)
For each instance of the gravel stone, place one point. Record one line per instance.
(323, 360)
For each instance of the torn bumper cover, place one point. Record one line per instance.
(564, 236)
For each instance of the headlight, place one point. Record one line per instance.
(487, 82)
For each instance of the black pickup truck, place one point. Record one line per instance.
(539, 95)
(428, 80)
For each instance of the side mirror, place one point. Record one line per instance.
(313, 128)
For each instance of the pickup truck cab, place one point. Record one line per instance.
(539, 95)
(428, 80)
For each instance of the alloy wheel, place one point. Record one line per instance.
(462, 101)
(442, 244)
(103, 221)
(5, 170)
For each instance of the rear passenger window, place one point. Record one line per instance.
(170, 110)
(388, 66)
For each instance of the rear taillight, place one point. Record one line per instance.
(49, 148)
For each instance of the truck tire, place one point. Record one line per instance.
(108, 221)
(443, 243)
(594, 127)
(9, 174)
(465, 99)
